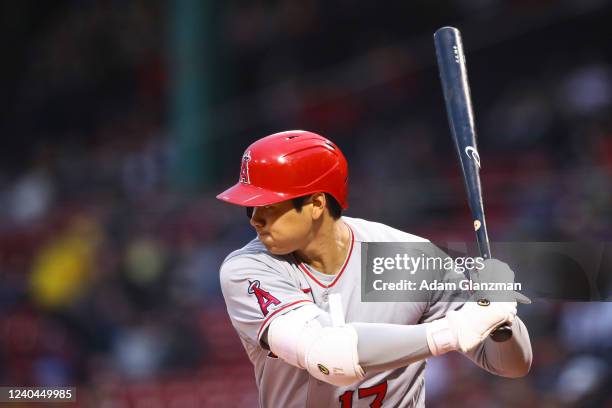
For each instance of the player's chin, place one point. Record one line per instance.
(277, 250)
(272, 246)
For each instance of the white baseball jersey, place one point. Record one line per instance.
(259, 286)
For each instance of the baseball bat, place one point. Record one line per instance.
(456, 89)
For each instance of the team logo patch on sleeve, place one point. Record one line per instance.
(264, 298)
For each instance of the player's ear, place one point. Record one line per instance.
(319, 203)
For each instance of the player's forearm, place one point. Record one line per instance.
(511, 358)
(305, 342)
(388, 346)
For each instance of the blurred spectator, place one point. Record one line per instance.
(61, 269)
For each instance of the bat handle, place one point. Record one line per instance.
(502, 332)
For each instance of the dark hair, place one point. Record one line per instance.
(334, 208)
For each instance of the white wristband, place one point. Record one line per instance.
(441, 338)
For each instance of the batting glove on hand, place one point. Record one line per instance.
(495, 271)
(467, 327)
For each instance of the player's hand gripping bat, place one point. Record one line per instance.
(453, 74)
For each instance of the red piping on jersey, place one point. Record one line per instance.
(278, 310)
(305, 269)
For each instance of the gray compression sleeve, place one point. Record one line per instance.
(508, 359)
(386, 346)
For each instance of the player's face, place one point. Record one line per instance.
(281, 228)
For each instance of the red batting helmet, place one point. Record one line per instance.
(287, 165)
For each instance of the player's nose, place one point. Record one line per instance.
(257, 219)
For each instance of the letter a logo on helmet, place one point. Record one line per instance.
(244, 168)
(287, 165)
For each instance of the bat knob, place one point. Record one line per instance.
(501, 334)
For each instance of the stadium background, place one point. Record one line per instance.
(120, 121)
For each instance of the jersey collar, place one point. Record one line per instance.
(304, 268)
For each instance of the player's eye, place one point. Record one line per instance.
(249, 212)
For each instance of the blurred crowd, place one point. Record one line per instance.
(110, 272)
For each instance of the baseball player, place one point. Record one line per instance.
(293, 292)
